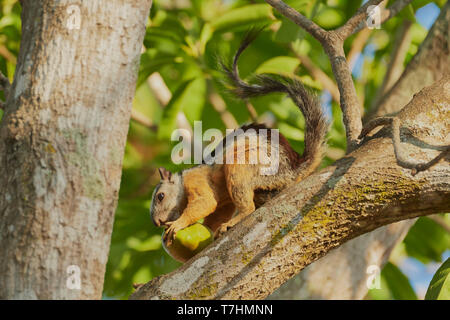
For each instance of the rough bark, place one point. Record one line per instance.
(342, 274)
(361, 192)
(62, 140)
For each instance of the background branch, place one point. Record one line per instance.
(318, 75)
(295, 16)
(358, 45)
(363, 191)
(395, 66)
(431, 62)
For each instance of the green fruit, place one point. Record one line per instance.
(189, 241)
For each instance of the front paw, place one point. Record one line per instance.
(171, 232)
(222, 229)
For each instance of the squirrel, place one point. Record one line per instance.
(216, 191)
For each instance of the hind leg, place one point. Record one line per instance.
(220, 216)
(239, 184)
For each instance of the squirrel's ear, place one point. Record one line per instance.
(164, 173)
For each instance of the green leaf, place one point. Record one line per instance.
(418, 33)
(291, 132)
(168, 122)
(288, 32)
(244, 17)
(426, 241)
(150, 64)
(408, 13)
(205, 36)
(193, 103)
(417, 4)
(398, 283)
(329, 18)
(440, 3)
(277, 65)
(439, 288)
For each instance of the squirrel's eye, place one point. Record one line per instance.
(160, 196)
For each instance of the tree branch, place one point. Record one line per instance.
(349, 103)
(142, 119)
(5, 86)
(403, 159)
(332, 42)
(386, 14)
(220, 106)
(299, 19)
(5, 53)
(360, 17)
(361, 192)
(320, 76)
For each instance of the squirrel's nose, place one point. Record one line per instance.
(157, 222)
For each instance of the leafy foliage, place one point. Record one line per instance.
(394, 285)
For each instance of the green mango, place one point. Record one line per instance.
(189, 241)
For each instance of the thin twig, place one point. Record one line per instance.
(159, 88)
(295, 16)
(141, 118)
(251, 111)
(360, 17)
(351, 110)
(359, 42)
(386, 14)
(318, 75)
(163, 95)
(402, 159)
(220, 106)
(5, 53)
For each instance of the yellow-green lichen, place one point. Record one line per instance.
(318, 213)
(207, 287)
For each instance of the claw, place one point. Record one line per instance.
(222, 229)
(170, 233)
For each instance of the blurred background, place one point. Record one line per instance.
(179, 83)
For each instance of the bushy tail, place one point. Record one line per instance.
(316, 123)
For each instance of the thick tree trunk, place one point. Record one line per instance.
(62, 140)
(361, 192)
(343, 273)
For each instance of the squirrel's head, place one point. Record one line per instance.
(168, 200)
